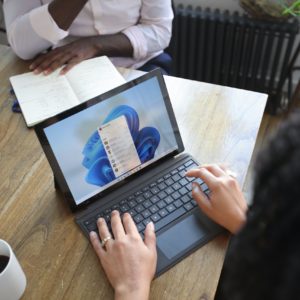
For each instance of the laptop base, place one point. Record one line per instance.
(177, 237)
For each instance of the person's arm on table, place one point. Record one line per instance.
(128, 261)
(81, 49)
(226, 204)
(150, 35)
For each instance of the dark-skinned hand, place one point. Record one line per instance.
(68, 55)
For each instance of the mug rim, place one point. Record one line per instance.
(9, 257)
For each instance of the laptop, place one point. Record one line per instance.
(123, 150)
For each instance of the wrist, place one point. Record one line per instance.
(97, 46)
(140, 292)
(238, 223)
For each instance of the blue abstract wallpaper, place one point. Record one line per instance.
(146, 141)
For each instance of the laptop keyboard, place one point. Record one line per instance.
(162, 201)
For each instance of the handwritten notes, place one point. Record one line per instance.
(41, 96)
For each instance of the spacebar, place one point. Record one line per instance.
(169, 218)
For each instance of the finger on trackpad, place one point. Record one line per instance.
(181, 236)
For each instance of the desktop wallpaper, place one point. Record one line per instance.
(96, 157)
(101, 143)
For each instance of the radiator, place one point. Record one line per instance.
(233, 50)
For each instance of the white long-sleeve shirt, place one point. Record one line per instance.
(147, 24)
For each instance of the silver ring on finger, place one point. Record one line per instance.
(231, 173)
(105, 240)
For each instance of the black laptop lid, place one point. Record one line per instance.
(102, 143)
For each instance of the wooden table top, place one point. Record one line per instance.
(217, 124)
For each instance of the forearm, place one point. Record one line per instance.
(64, 12)
(114, 45)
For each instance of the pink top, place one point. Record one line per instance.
(147, 24)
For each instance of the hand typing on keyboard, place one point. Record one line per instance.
(226, 204)
(128, 261)
(161, 201)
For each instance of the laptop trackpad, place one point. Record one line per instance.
(181, 236)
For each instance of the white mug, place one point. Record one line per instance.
(12, 277)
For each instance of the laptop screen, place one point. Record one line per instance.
(105, 140)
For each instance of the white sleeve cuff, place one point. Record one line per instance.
(138, 42)
(44, 25)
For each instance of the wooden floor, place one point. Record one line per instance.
(268, 126)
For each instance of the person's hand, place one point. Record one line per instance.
(127, 260)
(226, 204)
(68, 55)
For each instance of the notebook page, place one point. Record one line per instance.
(41, 97)
(93, 77)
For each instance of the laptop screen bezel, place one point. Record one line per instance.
(58, 174)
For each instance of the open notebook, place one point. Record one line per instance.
(41, 97)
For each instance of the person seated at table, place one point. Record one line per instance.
(263, 260)
(133, 33)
